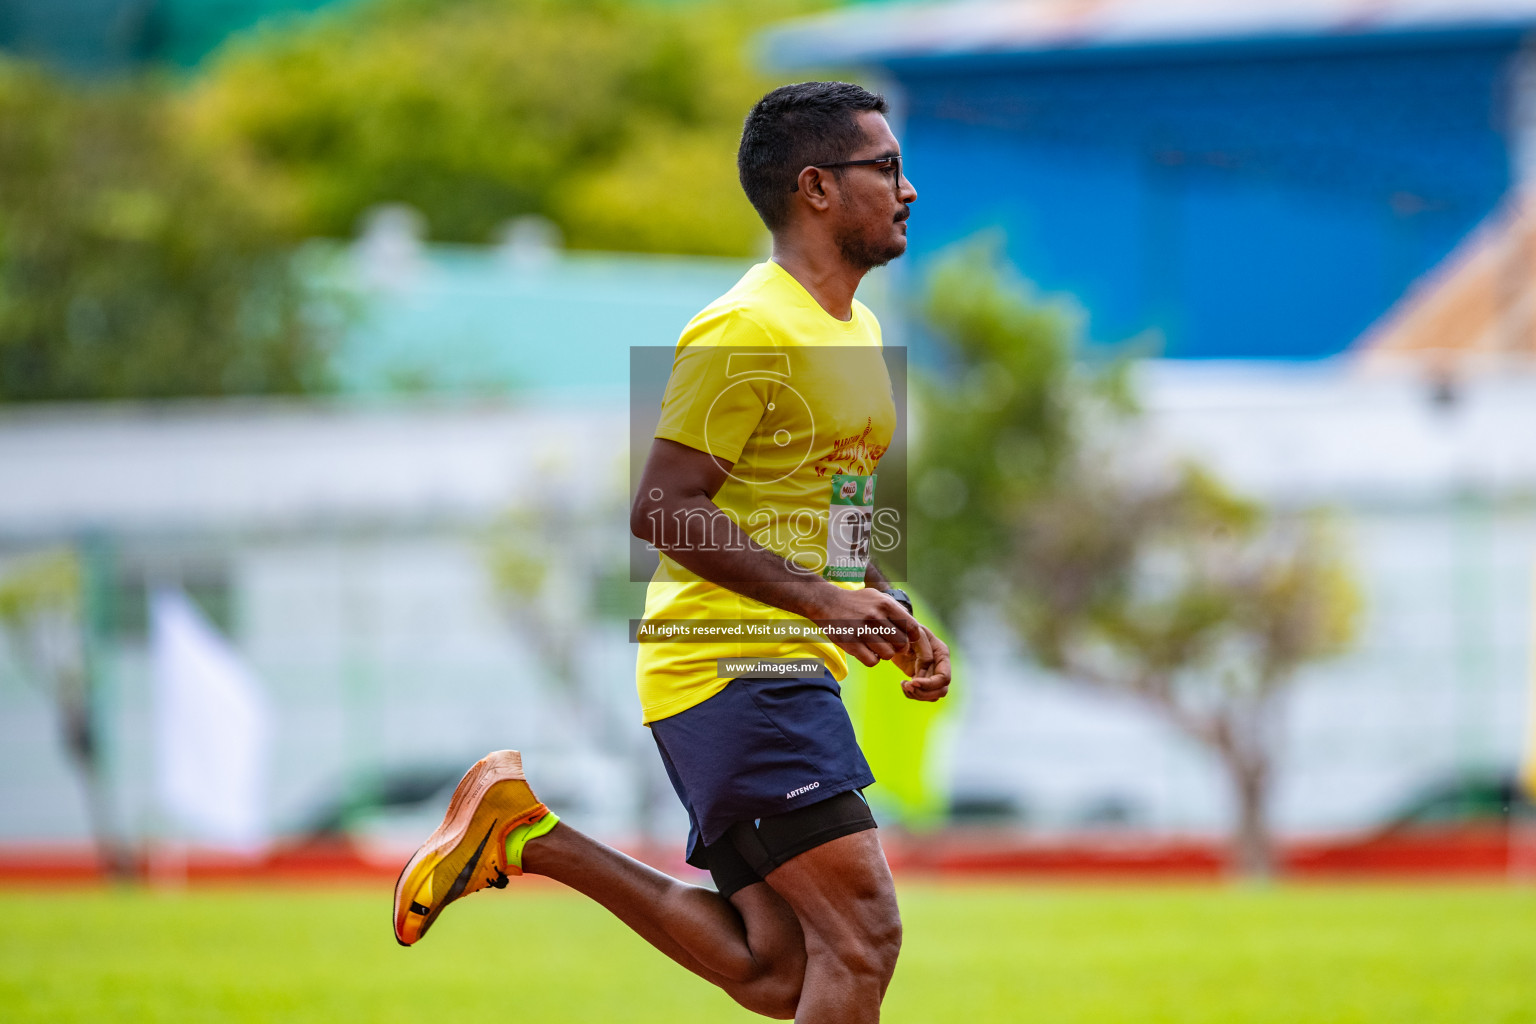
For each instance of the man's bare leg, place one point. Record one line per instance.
(751, 946)
(818, 942)
(843, 897)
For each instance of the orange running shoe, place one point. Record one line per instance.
(469, 850)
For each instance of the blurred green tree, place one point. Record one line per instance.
(616, 120)
(1117, 567)
(132, 266)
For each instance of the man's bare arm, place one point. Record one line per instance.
(676, 492)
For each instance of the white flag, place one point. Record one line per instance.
(211, 726)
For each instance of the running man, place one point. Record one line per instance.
(772, 426)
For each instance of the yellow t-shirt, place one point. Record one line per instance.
(767, 379)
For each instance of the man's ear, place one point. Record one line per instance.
(812, 187)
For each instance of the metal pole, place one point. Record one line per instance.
(92, 732)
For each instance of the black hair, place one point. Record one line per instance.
(793, 127)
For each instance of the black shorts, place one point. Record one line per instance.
(751, 849)
(756, 753)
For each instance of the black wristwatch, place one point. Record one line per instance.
(901, 599)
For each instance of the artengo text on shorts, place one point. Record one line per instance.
(803, 789)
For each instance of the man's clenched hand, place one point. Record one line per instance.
(927, 662)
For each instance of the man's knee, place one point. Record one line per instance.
(771, 987)
(867, 948)
(776, 996)
(864, 956)
(874, 951)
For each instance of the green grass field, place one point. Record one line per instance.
(973, 954)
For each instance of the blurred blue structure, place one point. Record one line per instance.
(525, 317)
(576, 318)
(1255, 180)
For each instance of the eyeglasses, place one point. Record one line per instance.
(879, 163)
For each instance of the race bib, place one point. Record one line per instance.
(850, 519)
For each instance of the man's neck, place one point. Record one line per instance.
(826, 275)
